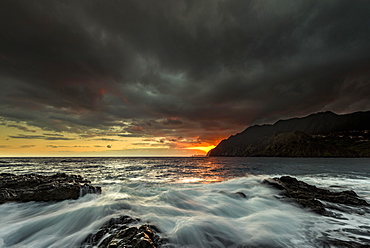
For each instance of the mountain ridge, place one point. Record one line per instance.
(324, 134)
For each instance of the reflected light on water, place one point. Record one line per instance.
(204, 171)
(190, 180)
(200, 180)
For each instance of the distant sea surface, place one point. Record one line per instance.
(191, 200)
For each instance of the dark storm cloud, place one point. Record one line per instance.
(53, 146)
(172, 121)
(25, 129)
(22, 136)
(27, 146)
(130, 135)
(197, 68)
(53, 134)
(105, 139)
(58, 138)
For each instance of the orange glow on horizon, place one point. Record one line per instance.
(201, 148)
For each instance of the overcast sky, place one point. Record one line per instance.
(172, 72)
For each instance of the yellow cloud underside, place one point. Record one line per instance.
(93, 146)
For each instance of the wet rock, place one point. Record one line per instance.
(33, 187)
(343, 244)
(234, 195)
(308, 196)
(240, 195)
(120, 233)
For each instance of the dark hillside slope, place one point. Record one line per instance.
(318, 136)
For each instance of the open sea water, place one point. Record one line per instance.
(191, 200)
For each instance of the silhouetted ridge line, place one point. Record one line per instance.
(324, 134)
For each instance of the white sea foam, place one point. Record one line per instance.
(192, 216)
(189, 214)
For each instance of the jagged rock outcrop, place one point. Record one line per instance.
(308, 196)
(323, 202)
(120, 232)
(33, 187)
(318, 135)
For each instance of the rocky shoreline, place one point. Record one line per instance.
(34, 187)
(125, 231)
(116, 233)
(121, 232)
(310, 197)
(321, 201)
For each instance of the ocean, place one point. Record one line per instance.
(191, 200)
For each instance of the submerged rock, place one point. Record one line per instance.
(240, 195)
(119, 233)
(308, 196)
(34, 187)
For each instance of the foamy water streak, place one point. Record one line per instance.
(194, 216)
(214, 216)
(171, 194)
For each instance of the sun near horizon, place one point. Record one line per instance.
(174, 78)
(35, 142)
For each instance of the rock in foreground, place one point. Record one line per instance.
(33, 187)
(119, 233)
(322, 201)
(308, 196)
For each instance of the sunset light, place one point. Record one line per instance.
(201, 148)
(166, 123)
(168, 79)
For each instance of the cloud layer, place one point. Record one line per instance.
(179, 69)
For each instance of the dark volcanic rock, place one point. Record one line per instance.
(308, 196)
(119, 233)
(343, 244)
(240, 195)
(33, 187)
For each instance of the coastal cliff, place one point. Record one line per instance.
(324, 134)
